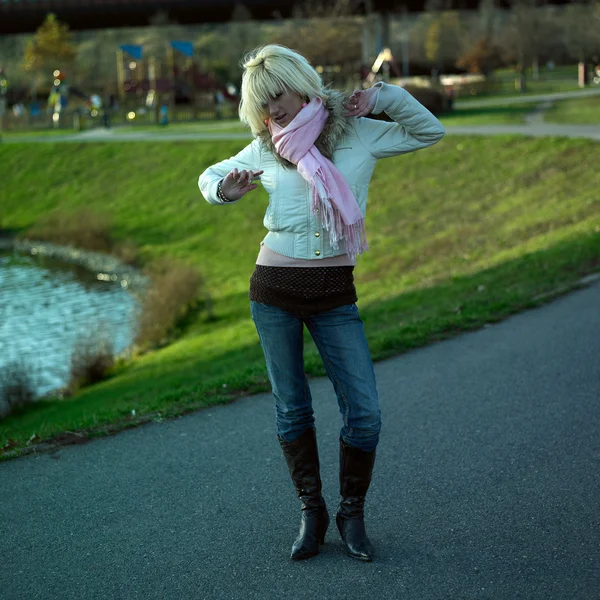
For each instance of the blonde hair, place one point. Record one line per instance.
(268, 71)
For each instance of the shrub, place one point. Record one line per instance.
(127, 252)
(91, 360)
(173, 291)
(83, 229)
(433, 98)
(482, 57)
(431, 95)
(16, 388)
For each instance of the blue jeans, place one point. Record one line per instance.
(340, 339)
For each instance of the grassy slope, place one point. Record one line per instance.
(460, 234)
(562, 79)
(204, 126)
(35, 133)
(584, 111)
(489, 115)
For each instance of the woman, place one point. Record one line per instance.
(314, 153)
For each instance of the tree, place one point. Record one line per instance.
(320, 31)
(581, 21)
(328, 35)
(443, 38)
(12, 48)
(155, 39)
(221, 48)
(324, 41)
(481, 58)
(95, 67)
(51, 48)
(317, 9)
(480, 53)
(488, 16)
(527, 35)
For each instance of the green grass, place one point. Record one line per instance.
(461, 234)
(208, 126)
(34, 133)
(562, 79)
(542, 86)
(583, 111)
(559, 73)
(489, 115)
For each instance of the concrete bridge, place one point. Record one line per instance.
(23, 16)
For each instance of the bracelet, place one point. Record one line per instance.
(220, 194)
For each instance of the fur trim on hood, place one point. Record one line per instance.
(336, 128)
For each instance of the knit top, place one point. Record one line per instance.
(302, 286)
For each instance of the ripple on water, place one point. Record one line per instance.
(46, 305)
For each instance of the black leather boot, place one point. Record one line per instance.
(302, 459)
(356, 467)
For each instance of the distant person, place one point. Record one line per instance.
(3, 97)
(96, 101)
(35, 108)
(19, 109)
(113, 103)
(164, 114)
(450, 96)
(314, 153)
(52, 101)
(219, 101)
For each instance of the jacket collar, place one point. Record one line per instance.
(336, 128)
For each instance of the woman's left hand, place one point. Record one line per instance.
(361, 103)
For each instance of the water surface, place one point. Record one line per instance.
(46, 305)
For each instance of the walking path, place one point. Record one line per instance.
(486, 486)
(535, 127)
(527, 98)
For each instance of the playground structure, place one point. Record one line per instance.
(385, 61)
(43, 106)
(147, 91)
(155, 91)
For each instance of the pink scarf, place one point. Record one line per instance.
(341, 215)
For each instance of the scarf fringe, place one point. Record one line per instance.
(332, 201)
(353, 234)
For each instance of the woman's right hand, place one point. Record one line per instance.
(237, 183)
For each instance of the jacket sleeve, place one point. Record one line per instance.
(248, 158)
(414, 127)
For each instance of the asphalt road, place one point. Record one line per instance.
(487, 486)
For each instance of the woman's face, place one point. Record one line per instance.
(284, 107)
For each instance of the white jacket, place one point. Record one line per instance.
(354, 145)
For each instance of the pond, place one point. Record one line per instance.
(47, 305)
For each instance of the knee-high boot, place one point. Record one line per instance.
(302, 459)
(356, 467)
